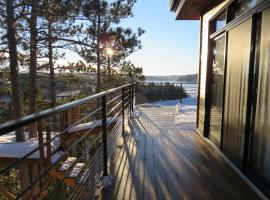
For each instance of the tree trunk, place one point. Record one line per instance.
(98, 48)
(15, 86)
(14, 67)
(52, 74)
(33, 65)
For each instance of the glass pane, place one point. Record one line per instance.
(217, 90)
(220, 22)
(243, 6)
(261, 141)
(239, 42)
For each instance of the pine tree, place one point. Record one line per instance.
(102, 30)
(9, 24)
(11, 14)
(58, 18)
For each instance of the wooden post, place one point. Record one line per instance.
(75, 114)
(40, 141)
(49, 146)
(63, 126)
(104, 135)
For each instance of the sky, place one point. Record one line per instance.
(170, 47)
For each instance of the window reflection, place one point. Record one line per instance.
(217, 90)
(220, 22)
(235, 105)
(261, 140)
(243, 6)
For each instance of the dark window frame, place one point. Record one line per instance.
(231, 23)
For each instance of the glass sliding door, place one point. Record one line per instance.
(260, 158)
(235, 105)
(217, 82)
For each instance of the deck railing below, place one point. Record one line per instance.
(67, 148)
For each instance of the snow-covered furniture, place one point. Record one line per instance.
(92, 128)
(10, 150)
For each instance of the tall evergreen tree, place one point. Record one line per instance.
(10, 15)
(58, 18)
(102, 19)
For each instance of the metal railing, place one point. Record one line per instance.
(59, 136)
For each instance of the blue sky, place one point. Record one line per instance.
(170, 47)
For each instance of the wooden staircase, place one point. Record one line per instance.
(72, 178)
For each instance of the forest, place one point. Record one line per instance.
(150, 92)
(39, 39)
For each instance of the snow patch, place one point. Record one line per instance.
(91, 125)
(9, 148)
(149, 105)
(186, 113)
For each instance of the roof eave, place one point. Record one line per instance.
(191, 9)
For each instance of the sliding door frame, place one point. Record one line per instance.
(254, 13)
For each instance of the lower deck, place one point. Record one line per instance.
(165, 158)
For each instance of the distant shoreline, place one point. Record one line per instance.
(189, 78)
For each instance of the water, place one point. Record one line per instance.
(190, 88)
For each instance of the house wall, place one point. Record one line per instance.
(204, 62)
(246, 121)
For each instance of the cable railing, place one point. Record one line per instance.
(68, 153)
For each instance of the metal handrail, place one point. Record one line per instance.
(24, 121)
(127, 98)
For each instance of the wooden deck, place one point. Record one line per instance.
(162, 160)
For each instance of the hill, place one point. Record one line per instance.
(163, 78)
(177, 78)
(191, 78)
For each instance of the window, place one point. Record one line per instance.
(220, 22)
(235, 105)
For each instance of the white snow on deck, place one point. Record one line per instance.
(185, 112)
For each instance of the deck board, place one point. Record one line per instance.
(162, 160)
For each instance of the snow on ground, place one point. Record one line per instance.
(185, 112)
(187, 101)
(9, 148)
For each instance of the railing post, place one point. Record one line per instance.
(135, 93)
(181, 88)
(130, 99)
(123, 111)
(104, 135)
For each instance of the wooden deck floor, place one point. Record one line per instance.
(162, 160)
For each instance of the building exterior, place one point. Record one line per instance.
(234, 80)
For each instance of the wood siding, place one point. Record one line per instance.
(204, 62)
